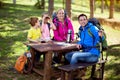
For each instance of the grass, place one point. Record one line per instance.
(13, 32)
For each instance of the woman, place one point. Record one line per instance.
(63, 24)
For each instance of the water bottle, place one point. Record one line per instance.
(69, 36)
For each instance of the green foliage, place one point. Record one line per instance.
(117, 7)
(39, 4)
(13, 27)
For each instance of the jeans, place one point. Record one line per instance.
(74, 57)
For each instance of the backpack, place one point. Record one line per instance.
(23, 64)
(96, 23)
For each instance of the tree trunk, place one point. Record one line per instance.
(14, 2)
(106, 4)
(111, 15)
(1, 4)
(63, 4)
(43, 4)
(68, 7)
(50, 7)
(117, 1)
(102, 6)
(91, 8)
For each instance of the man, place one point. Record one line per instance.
(90, 53)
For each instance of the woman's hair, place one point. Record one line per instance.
(65, 13)
(33, 20)
(59, 10)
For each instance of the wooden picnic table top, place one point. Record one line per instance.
(52, 46)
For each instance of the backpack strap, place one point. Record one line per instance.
(91, 34)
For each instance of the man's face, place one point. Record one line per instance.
(83, 21)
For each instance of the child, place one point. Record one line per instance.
(46, 25)
(34, 34)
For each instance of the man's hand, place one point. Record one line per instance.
(79, 46)
(100, 33)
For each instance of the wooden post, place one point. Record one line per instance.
(33, 55)
(62, 75)
(93, 70)
(47, 66)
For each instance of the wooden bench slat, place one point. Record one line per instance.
(75, 66)
(101, 61)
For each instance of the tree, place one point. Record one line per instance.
(63, 4)
(68, 7)
(92, 8)
(1, 4)
(106, 4)
(43, 4)
(50, 7)
(111, 15)
(117, 1)
(40, 4)
(14, 2)
(102, 6)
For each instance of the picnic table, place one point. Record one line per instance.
(48, 49)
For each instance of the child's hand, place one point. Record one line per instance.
(43, 18)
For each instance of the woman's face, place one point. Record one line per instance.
(60, 14)
(83, 21)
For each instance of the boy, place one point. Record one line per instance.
(34, 34)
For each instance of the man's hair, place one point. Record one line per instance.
(82, 15)
(33, 20)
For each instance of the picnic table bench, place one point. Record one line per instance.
(69, 69)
